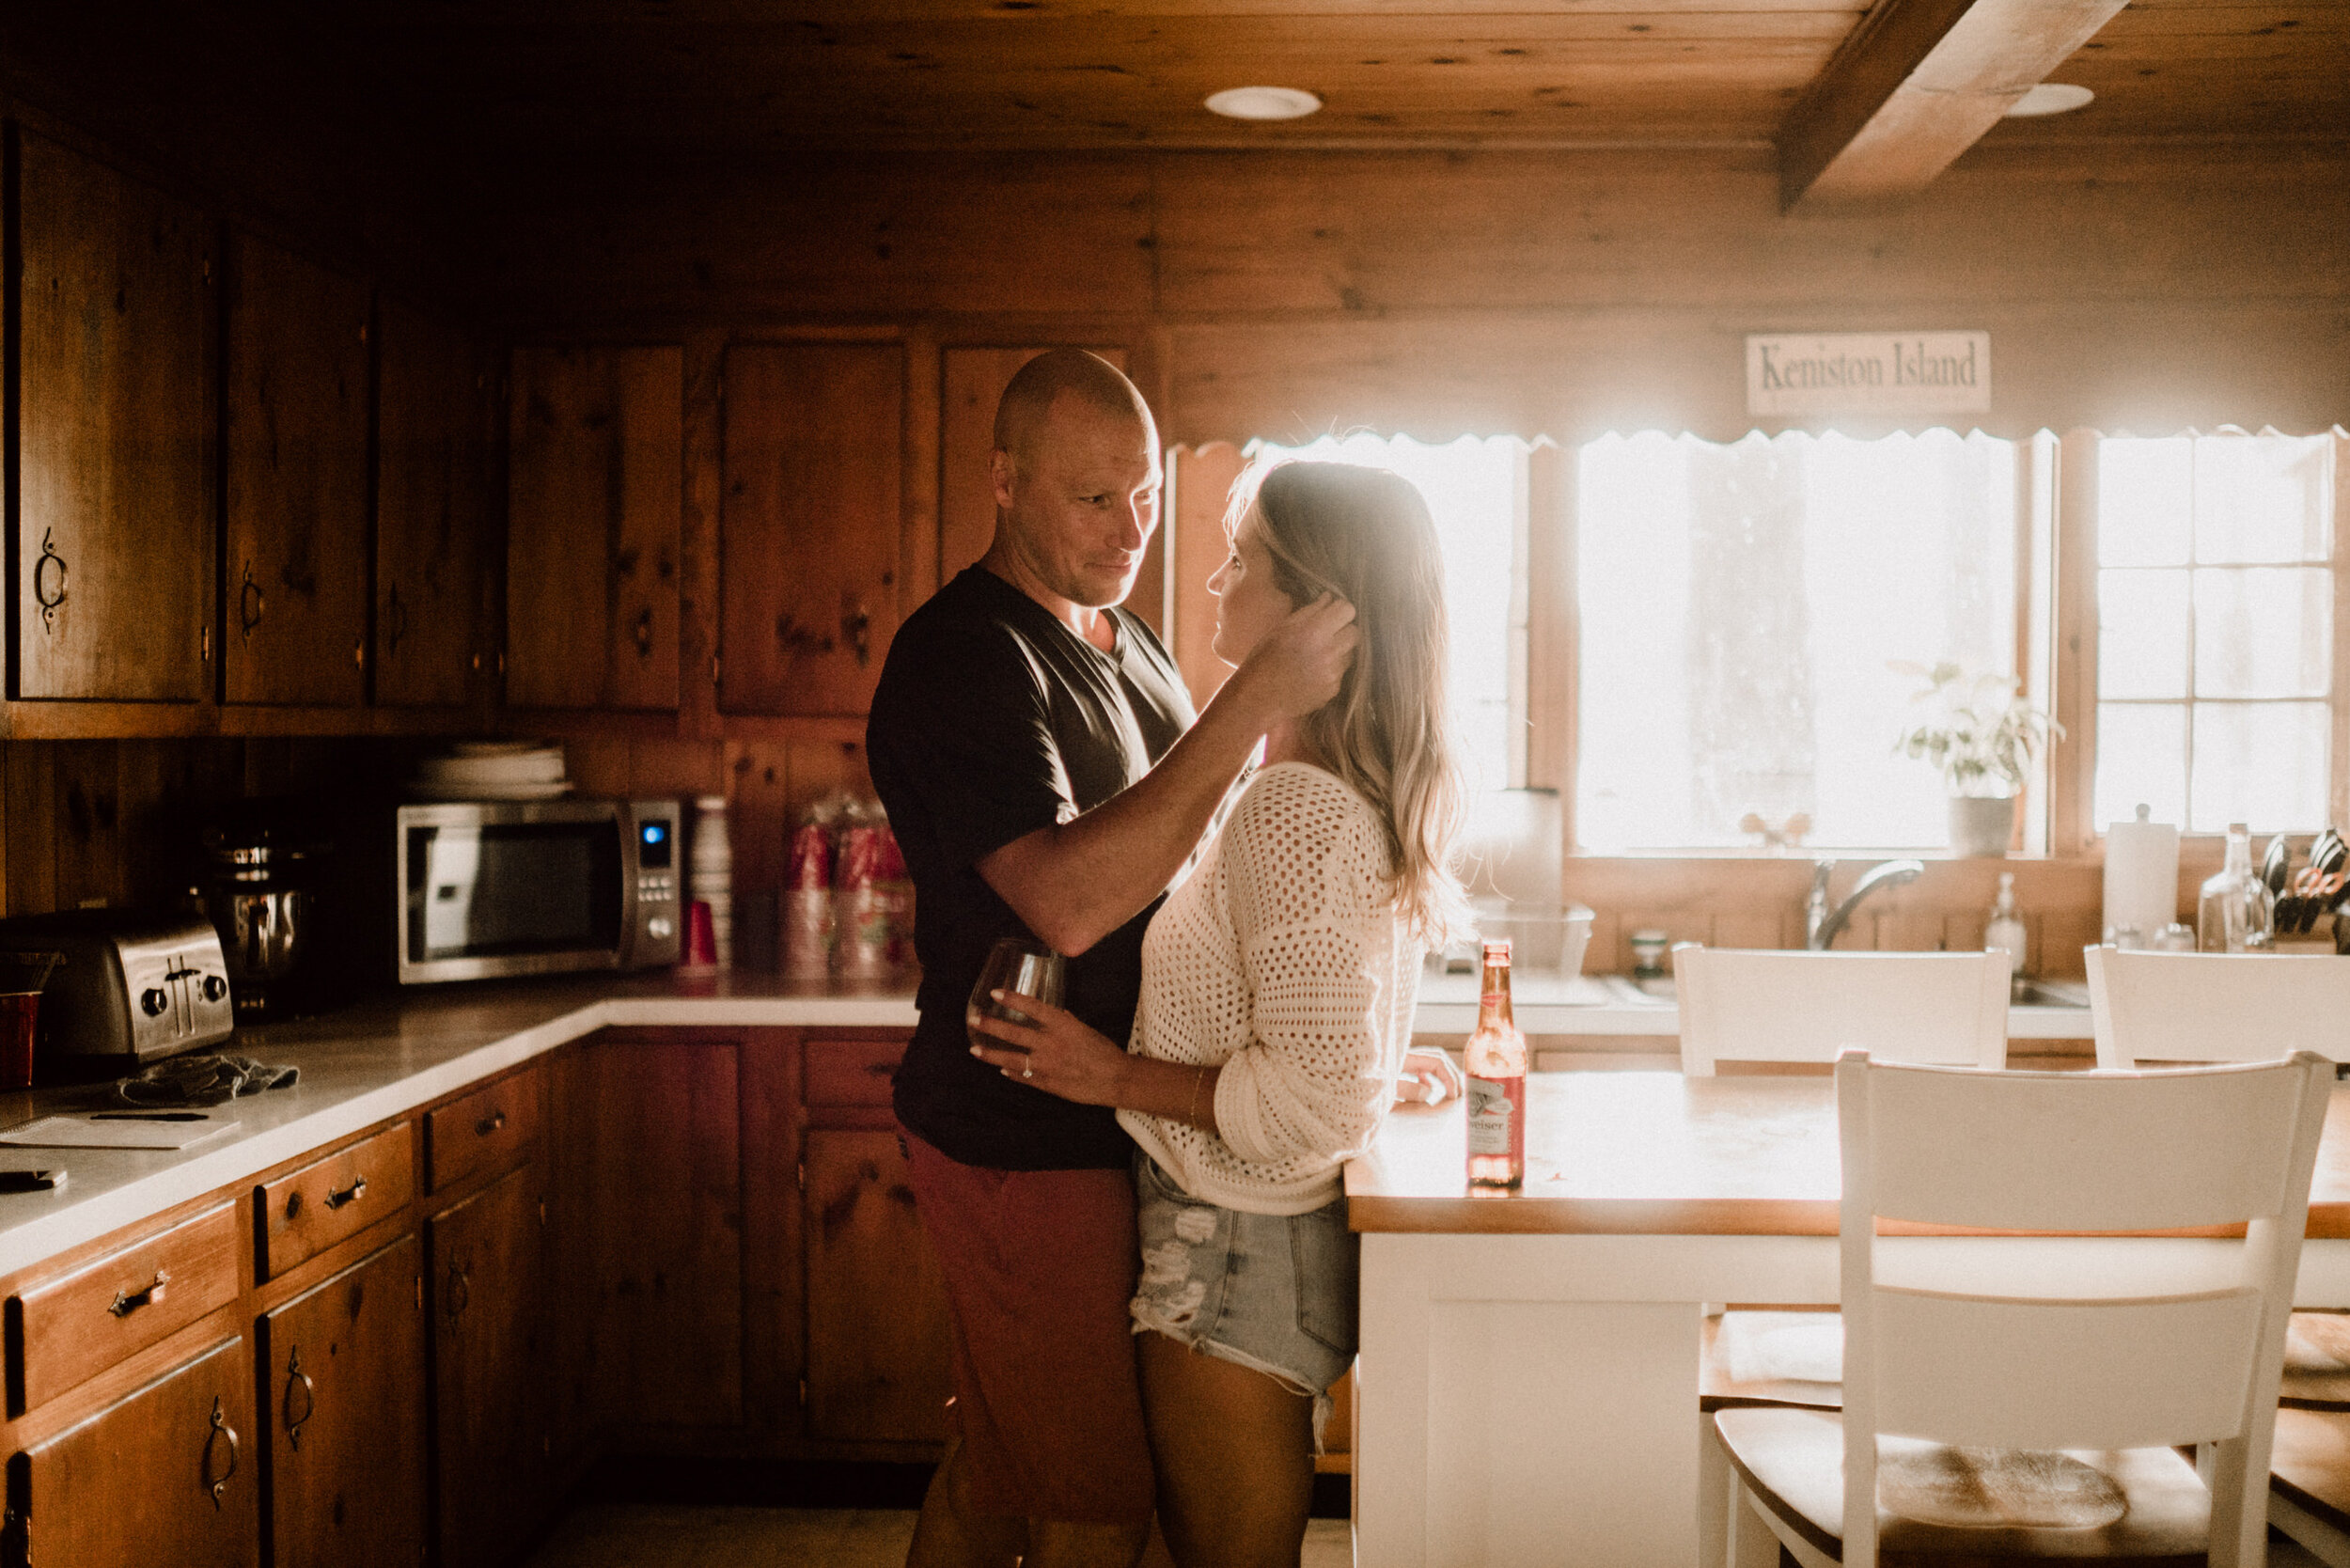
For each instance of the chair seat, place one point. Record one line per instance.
(1780, 1357)
(2317, 1362)
(2310, 1465)
(1950, 1507)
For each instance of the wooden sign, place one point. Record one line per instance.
(1869, 373)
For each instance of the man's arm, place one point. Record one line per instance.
(1075, 882)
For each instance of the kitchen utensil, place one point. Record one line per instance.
(2329, 852)
(1016, 967)
(82, 1131)
(133, 987)
(2276, 864)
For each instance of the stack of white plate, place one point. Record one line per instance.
(493, 769)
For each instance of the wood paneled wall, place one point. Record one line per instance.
(2143, 287)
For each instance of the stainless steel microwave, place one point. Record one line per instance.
(487, 888)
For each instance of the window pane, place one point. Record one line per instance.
(2141, 633)
(1741, 606)
(2262, 630)
(2144, 501)
(2141, 758)
(2263, 498)
(2260, 762)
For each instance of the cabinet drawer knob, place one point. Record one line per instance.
(218, 1487)
(337, 1196)
(493, 1122)
(298, 1381)
(127, 1302)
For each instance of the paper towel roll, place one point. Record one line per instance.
(2141, 876)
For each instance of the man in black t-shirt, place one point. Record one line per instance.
(1044, 773)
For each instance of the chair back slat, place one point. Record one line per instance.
(2076, 1152)
(1762, 1005)
(2029, 1374)
(2216, 1007)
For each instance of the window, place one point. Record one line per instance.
(1477, 495)
(1741, 608)
(2216, 630)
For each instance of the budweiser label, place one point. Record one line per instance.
(1489, 1114)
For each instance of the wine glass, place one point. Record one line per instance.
(1014, 964)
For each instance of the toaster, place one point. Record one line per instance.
(133, 987)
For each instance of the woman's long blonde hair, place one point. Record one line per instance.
(1365, 535)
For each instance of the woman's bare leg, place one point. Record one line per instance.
(1234, 1453)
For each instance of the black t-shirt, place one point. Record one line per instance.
(994, 719)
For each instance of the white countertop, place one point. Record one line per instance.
(373, 1062)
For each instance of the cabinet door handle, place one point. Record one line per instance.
(298, 1381)
(220, 1429)
(493, 1122)
(251, 604)
(48, 590)
(857, 628)
(459, 1293)
(127, 1302)
(336, 1198)
(644, 634)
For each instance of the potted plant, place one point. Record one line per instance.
(1982, 733)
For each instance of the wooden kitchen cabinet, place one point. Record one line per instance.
(877, 1359)
(594, 501)
(650, 1243)
(810, 535)
(297, 459)
(167, 1474)
(436, 435)
(486, 1284)
(345, 1417)
(116, 341)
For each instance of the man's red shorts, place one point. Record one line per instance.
(1040, 1267)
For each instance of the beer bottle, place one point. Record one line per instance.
(1496, 1062)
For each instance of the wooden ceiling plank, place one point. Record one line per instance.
(1918, 83)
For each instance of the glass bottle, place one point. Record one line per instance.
(2236, 912)
(1495, 1064)
(2004, 932)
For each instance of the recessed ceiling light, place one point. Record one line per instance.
(1263, 103)
(2049, 97)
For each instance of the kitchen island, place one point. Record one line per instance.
(1527, 1386)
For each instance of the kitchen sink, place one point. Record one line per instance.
(2045, 993)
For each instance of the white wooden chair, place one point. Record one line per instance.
(2216, 1007)
(1762, 1005)
(1755, 1005)
(2027, 1396)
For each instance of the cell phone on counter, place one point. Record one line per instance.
(46, 1179)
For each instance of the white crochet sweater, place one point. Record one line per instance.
(1283, 961)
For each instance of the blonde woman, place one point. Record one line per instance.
(1275, 1014)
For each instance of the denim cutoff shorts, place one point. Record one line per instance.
(1275, 1293)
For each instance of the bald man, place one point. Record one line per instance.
(1044, 773)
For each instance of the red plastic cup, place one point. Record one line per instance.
(702, 936)
(19, 1011)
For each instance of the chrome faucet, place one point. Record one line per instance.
(1821, 927)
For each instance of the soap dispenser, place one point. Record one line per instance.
(2004, 932)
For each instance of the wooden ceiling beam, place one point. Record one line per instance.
(1917, 84)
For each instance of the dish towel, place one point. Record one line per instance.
(203, 1081)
